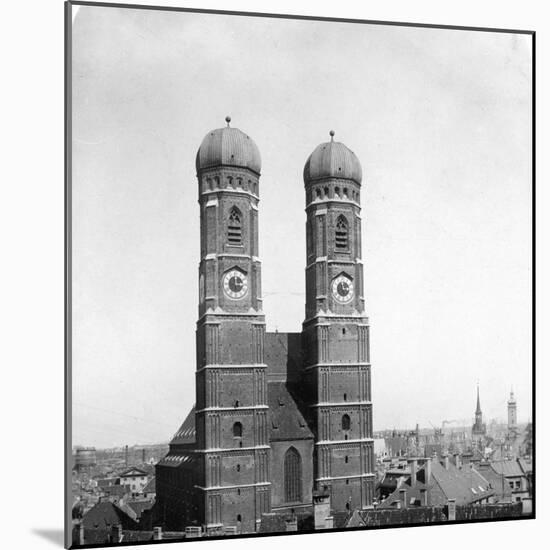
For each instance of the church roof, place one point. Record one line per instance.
(186, 432)
(228, 147)
(175, 460)
(282, 353)
(332, 160)
(287, 421)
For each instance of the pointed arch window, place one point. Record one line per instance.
(237, 430)
(293, 476)
(342, 233)
(235, 227)
(346, 423)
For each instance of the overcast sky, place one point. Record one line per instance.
(441, 122)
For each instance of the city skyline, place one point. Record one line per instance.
(444, 263)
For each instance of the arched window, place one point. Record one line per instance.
(341, 233)
(293, 476)
(346, 423)
(237, 430)
(234, 227)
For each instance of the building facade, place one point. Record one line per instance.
(278, 416)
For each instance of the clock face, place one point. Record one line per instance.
(342, 289)
(235, 284)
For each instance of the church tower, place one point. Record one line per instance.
(479, 429)
(335, 336)
(231, 383)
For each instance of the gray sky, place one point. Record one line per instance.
(441, 122)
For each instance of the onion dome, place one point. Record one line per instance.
(228, 147)
(332, 160)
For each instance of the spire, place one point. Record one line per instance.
(478, 408)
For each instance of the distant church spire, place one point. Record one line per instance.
(478, 408)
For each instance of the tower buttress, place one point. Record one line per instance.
(231, 380)
(335, 334)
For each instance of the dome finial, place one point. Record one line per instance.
(228, 120)
(331, 135)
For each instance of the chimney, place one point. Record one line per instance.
(446, 462)
(81, 537)
(126, 455)
(451, 504)
(403, 497)
(157, 533)
(458, 462)
(116, 533)
(424, 497)
(428, 471)
(292, 524)
(321, 508)
(414, 471)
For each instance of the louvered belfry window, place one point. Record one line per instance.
(341, 233)
(234, 227)
(293, 476)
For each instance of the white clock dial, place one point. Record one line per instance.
(342, 289)
(235, 284)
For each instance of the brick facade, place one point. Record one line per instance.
(277, 416)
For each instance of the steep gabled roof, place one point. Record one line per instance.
(498, 482)
(139, 506)
(283, 355)
(186, 432)
(508, 468)
(105, 515)
(132, 472)
(151, 486)
(465, 486)
(177, 460)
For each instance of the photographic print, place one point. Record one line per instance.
(300, 275)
